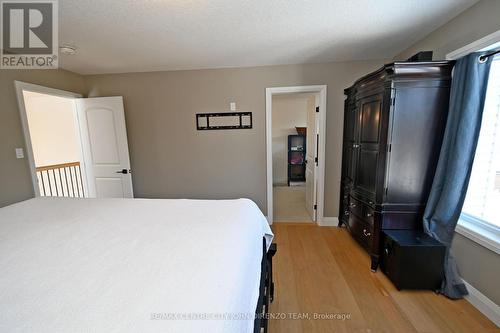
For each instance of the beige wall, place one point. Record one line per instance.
(15, 180)
(289, 111)
(476, 22)
(477, 265)
(171, 159)
(52, 124)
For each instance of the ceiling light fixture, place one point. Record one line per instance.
(68, 49)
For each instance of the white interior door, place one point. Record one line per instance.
(105, 147)
(311, 164)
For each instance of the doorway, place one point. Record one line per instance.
(56, 145)
(76, 147)
(295, 135)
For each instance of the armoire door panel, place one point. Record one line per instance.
(350, 120)
(345, 161)
(352, 164)
(371, 109)
(348, 162)
(366, 175)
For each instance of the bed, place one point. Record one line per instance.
(132, 265)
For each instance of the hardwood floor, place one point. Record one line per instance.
(323, 270)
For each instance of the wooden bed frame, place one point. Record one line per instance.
(266, 289)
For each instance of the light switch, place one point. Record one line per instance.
(232, 106)
(19, 153)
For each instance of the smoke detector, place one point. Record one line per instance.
(68, 49)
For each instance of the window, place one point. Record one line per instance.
(482, 202)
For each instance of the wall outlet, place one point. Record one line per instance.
(232, 106)
(19, 153)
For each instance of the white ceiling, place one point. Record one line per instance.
(115, 36)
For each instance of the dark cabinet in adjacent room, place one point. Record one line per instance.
(394, 122)
(296, 158)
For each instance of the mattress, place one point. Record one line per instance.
(130, 265)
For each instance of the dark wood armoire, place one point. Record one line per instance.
(393, 128)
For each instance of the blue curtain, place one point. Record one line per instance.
(449, 187)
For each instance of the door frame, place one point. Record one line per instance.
(270, 92)
(24, 86)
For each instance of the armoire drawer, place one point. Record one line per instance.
(356, 207)
(362, 211)
(361, 231)
(368, 214)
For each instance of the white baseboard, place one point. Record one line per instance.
(485, 305)
(328, 221)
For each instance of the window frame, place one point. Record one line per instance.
(476, 229)
(480, 231)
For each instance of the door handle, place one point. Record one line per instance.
(367, 234)
(124, 171)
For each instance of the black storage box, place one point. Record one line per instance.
(412, 259)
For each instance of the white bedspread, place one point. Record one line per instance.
(130, 265)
